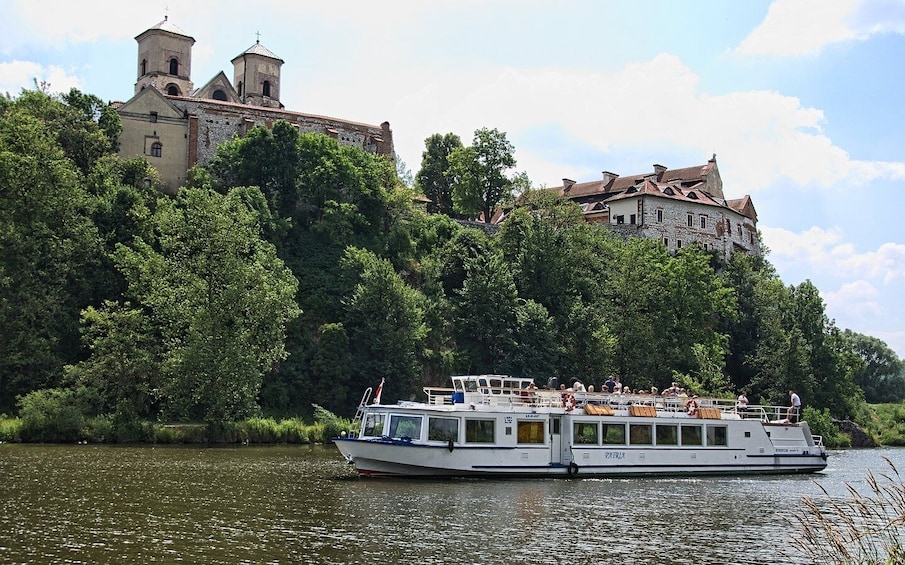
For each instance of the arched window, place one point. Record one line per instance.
(144, 67)
(173, 90)
(219, 95)
(266, 90)
(241, 86)
(174, 66)
(156, 149)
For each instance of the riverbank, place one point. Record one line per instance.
(250, 431)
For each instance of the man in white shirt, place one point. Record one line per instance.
(794, 414)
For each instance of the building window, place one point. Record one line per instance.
(219, 95)
(153, 117)
(678, 244)
(666, 242)
(266, 89)
(156, 149)
(690, 220)
(703, 222)
(144, 67)
(729, 227)
(660, 216)
(241, 87)
(620, 219)
(740, 230)
(173, 90)
(631, 219)
(174, 66)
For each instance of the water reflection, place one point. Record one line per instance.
(95, 504)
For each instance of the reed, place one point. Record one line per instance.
(10, 428)
(868, 526)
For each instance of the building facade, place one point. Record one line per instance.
(176, 126)
(677, 207)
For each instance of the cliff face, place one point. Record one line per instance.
(860, 438)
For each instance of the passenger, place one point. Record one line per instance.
(590, 388)
(741, 406)
(578, 386)
(553, 383)
(610, 384)
(794, 413)
(617, 388)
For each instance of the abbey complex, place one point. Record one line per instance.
(176, 126)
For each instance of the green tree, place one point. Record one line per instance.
(432, 179)
(48, 247)
(478, 173)
(385, 323)
(881, 374)
(219, 299)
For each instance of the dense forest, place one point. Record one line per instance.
(294, 271)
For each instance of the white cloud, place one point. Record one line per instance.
(16, 74)
(804, 27)
(856, 299)
(655, 103)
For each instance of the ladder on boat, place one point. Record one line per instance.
(356, 422)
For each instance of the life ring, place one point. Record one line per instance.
(568, 402)
(573, 469)
(691, 407)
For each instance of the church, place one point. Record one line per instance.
(176, 126)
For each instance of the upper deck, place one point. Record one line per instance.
(501, 392)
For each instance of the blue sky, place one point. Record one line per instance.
(801, 100)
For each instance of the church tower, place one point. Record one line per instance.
(165, 59)
(256, 74)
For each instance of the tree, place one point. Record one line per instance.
(478, 173)
(882, 374)
(218, 298)
(49, 247)
(432, 180)
(384, 320)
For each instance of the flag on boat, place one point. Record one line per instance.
(379, 390)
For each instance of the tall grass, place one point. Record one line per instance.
(865, 527)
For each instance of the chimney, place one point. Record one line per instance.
(659, 170)
(567, 185)
(608, 178)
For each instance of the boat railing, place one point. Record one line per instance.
(546, 398)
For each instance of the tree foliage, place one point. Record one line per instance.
(295, 271)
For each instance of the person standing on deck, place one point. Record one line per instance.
(794, 414)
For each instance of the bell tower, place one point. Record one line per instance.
(256, 74)
(165, 60)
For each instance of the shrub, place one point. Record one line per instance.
(51, 414)
(330, 424)
(293, 430)
(821, 423)
(10, 428)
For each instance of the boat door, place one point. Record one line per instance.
(555, 439)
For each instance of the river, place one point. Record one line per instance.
(303, 504)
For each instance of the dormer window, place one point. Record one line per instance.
(692, 195)
(669, 191)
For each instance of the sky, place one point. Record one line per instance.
(801, 101)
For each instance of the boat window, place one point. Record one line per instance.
(614, 434)
(691, 435)
(405, 426)
(667, 435)
(374, 424)
(442, 429)
(716, 435)
(471, 385)
(585, 432)
(640, 434)
(531, 432)
(479, 431)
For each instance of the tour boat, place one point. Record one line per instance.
(500, 426)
